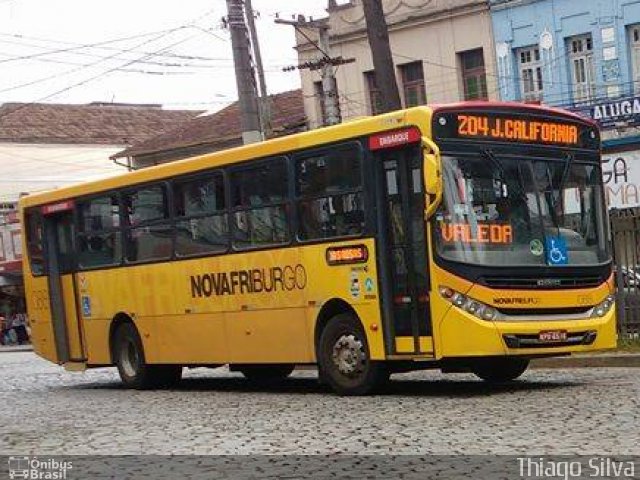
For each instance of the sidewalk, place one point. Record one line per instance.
(595, 360)
(16, 348)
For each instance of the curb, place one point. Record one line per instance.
(16, 348)
(620, 360)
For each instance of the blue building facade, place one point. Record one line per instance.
(584, 49)
(582, 55)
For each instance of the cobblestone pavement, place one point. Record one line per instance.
(45, 410)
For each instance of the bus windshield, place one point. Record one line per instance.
(509, 211)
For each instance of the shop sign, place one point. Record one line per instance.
(621, 174)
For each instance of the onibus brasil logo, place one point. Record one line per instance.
(33, 468)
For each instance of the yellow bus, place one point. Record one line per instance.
(465, 237)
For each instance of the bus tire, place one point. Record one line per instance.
(344, 359)
(135, 372)
(266, 372)
(496, 370)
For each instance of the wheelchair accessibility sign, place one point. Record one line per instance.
(556, 250)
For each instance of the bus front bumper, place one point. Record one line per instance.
(462, 335)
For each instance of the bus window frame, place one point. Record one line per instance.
(365, 156)
(366, 190)
(476, 273)
(34, 212)
(78, 233)
(232, 209)
(126, 227)
(194, 177)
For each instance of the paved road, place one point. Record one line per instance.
(44, 410)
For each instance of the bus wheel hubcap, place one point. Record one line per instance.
(348, 355)
(129, 359)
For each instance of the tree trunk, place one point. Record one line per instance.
(381, 51)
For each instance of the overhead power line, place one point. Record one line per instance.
(99, 75)
(114, 40)
(108, 48)
(82, 67)
(159, 35)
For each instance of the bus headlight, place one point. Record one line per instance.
(603, 307)
(474, 307)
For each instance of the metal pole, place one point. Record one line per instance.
(265, 113)
(329, 87)
(245, 81)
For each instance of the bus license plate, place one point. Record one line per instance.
(553, 336)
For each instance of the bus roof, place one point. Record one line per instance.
(533, 107)
(365, 126)
(280, 145)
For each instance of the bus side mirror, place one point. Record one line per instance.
(432, 174)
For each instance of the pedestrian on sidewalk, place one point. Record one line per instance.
(7, 334)
(19, 324)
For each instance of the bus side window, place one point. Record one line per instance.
(259, 202)
(148, 229)
(34, 242)
(201, 219)
(329, 193)
(99, 237)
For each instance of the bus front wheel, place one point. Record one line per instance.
(497, 370)
(344, 360)
(135, 372)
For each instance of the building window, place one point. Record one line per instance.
(582, 68)
(413, 89)
(376, 105)
(634, 41)
(530, 73)
(474, 79)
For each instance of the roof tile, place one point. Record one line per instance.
(287, 116)
(98, 123)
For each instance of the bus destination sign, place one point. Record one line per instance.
(517, 129)
(495, 127)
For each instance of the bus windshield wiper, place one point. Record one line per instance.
(560, 190)
(488, 154)
(565, 172)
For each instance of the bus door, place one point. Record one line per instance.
(403, 251)
(67, 327)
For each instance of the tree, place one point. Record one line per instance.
(378, 35)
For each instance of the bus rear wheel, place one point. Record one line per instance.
(496, 370)
(344, 360)
(135, 372)
(266, 372)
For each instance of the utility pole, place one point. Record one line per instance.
(325, 64)
(265, 110)
(378, 35)
(245, 80)
(329, 85)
